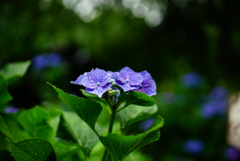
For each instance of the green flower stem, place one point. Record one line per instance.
(105, 154)
(111, 121)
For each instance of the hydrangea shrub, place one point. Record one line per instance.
(39, 134)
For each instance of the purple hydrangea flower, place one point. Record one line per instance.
(144, 125)
(148, 85)
(192, 80)
(193, 146)
(232, 154)
(11, 109)
(128, 79)
(96, 82)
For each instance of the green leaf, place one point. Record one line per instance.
(11, 128)
(34, 149)
(137, 98)
(90, 95)
(13, 71)
(35, 122)
(120, 146)
(5, 97)
(74, 130)
(67, 152)
(86, 109)
(95, 98)
(134, 113)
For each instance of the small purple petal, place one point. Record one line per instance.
(147, 81)
(99, 76)
(148, 85)
(150, 90)
(79, 79)
(88, 84)
(127, 75)
(114, 75)
(125, 87)
(135, 79)
(99, 90)
(127, 79)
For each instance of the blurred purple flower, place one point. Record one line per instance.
(96, 82)
(213, 108)
(217, 104)
(148, 85)
(219, 93)
(208, 110)
(192, 80)
(232, 154)
(193, 146)
(54, 59)
(168, 97)
(144, 125)
(11, 109)
(128, 79)
(42, 61)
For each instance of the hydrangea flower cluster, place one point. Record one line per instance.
(99, 81)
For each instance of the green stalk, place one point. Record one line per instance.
(105, 154)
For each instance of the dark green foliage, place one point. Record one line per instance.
(34, 149)
(5, 97)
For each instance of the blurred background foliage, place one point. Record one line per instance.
(190, 47)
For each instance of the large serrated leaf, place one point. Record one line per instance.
(35, 122)
(137, 98)
(86, 109)
(74, 130)
(5, 97)
(134, 113)
(119, 146)
(13, 71)
(34, 149)
(11, 128)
